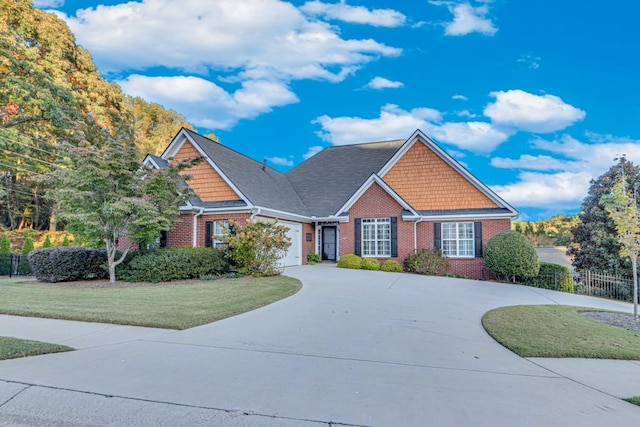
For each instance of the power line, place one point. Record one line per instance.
(29, 146)
(31, 158)
(22, 169)
(23, 192)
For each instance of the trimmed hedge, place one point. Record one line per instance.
(167, 264)
(509, 255)
(350, 261)
(392, 266)
(66, 264)
(546, 277)
(370, 264)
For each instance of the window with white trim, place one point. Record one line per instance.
(457, 239)
(220, 228)
(376, 237)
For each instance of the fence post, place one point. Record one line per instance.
(555, 278)
(10, 265)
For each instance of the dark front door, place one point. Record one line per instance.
(329, 243)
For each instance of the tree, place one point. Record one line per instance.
(622, 207)
(106, 196)
(47, 242)
(27, 246)
(594, 245)
(509, 255)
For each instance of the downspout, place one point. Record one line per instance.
(253, 214)
(195, 227)
(415, 235)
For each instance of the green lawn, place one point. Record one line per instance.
(634, 400)
(173, 306)
(559, 331)
(11, 348)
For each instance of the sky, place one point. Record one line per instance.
(534, 98)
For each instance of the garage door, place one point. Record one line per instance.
(293, 256)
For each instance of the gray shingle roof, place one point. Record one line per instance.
(262, 187)
(162, 163)
(326, 181)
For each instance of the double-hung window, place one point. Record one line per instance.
(376, 237)
(214, 230)
(458, 239)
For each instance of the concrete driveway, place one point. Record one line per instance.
(354, 348)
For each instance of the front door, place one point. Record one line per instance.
(329, 243)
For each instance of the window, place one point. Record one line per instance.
(458, 239)
(376, 237)
(214, 230)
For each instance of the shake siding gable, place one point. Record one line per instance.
(427, 182)
(205, 181)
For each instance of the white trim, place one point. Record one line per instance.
(364, 187)
(465, 217)
(175, 146)
(429, 143)
(148, 161)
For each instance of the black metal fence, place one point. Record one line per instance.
(14, 265)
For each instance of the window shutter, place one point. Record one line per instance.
(358, 240)
(477, 233)
(208, 234)
(394, 236)
(437, 236)
(163, 238)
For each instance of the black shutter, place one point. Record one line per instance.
(477, 233)
(437, 236)
(208, 234)
(163, 238)
(232, 229)
(358, 240)
(394, 236)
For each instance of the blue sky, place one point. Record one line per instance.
(535, 98)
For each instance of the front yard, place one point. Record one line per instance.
(176, 305)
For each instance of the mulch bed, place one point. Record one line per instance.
(621, 320)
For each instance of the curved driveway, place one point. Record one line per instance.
(351, 348)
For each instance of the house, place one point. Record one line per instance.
(381, 199)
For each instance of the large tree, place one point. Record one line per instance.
(106, 196)
(595, 245)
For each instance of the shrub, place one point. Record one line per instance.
(350, 261)
(509, 255)
(5, 246)
(546, 277)
(370, 264)
(68, 264)
(65, 241)
(256, 247)
(313, 258)
(47, 242)
(427, 261)
(392, 266)
(5, 255)
(167, 264)
(27, 247)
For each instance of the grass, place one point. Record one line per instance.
(12, 348)
(634, 400)
(173, 306)
(559, 331)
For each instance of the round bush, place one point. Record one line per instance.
(509, 255)
(350, 261)
(392, 266)
(370, 264)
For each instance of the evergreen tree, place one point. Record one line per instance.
(47, 243)
(595, 245)
(65, 241)
(27, 246)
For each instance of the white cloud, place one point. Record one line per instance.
(281, 161)
(563, 190)
(530, 61)
(532, 113)
(573, 165)
(259, 45)
(43, 4)
(473, 136)
(207, 104)
(382, 83)
(467, 19)
(313, 150)
(460, 97)
(393, 123)
(354, 14)
(466, 113)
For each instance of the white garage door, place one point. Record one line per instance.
(293, 256)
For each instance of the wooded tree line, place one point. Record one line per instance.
(51, 97)
(556, 231)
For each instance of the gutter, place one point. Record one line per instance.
(254, 214)
(195, 227)
(415, 234)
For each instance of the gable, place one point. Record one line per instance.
(427, 182)
(205, 181)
